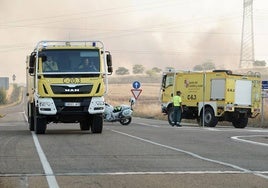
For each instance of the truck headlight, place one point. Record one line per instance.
(100, 103)
(97, 105)
(45, 104)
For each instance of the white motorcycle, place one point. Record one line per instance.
(122, 113)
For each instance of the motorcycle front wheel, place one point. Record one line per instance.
(126, 121)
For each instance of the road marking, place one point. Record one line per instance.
(194, 155)
(239, 138)
(150, 173)
(50, 176)
(133, 173)
(149, 125)
(51, 179)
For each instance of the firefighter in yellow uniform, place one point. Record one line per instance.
(177, 106)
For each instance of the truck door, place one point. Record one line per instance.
(167, 87)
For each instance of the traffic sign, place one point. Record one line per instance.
(265, 84)
(136, 85)
(136, 93)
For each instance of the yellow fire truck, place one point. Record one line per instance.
(66, 82)
(213, 96)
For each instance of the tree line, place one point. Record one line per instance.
(208, 65)
(138, 69)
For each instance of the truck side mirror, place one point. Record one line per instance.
(109, 63)
(32, 62)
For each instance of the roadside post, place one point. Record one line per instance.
(264, 95)
(136, 91)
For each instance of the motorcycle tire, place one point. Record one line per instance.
(125, 121)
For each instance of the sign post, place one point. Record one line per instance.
(136, 91)
(264, 95)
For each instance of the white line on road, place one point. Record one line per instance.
(239, 138)
(193, 154)
(149, 125)
(51, 180)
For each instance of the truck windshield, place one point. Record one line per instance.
(167, 81)
(71, 61)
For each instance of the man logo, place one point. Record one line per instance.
(71, 80)
(71, 90)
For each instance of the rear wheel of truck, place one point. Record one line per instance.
(209, 118)
(40, 123)
(97, 123)
(240, 122)
(31, 116)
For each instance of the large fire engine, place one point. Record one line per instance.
(66, 82)
(213, 96)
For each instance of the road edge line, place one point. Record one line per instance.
(51, 179)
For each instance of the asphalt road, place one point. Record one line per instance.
(147, 153)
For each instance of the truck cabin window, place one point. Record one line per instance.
(86, 61)
(168, 81)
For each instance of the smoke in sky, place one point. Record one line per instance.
(152, 33)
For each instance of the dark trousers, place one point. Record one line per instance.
(177, 115)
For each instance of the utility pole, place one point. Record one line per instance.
(247, 43)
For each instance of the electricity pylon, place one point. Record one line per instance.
(247, 43)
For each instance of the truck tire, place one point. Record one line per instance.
(31, 116)
(97, 124)
(240, 123)
(86, 124)
(209, 117)
(170, 116)
(40, 123)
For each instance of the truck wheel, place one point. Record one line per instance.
(209, 117)
(240, 123)
(85, 124)
(31, 116)
(125, 121)
(97, 124)
(40, 125)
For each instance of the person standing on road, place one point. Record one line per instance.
(177, 106)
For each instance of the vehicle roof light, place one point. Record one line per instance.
(44, 44)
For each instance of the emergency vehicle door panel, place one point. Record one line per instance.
(217, 89)
(243, 92)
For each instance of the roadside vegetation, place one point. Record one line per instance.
(3, 96)
(13, 95)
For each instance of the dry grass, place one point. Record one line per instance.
(148, 104)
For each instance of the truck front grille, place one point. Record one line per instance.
(66, 89)
(63, 109)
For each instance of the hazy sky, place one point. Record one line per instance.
(155, 33)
